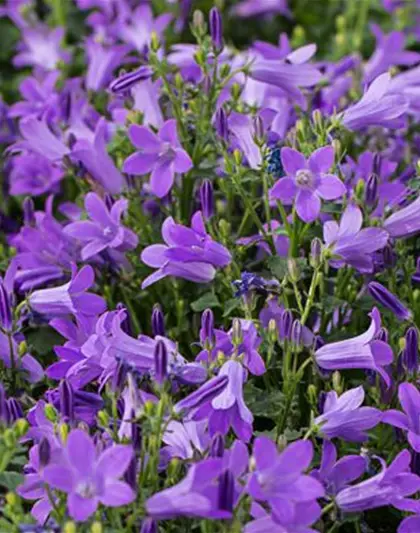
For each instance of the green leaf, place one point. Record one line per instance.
(263, 403)
(278, 265)
(230, 306)
(11, 480)
(206, 301)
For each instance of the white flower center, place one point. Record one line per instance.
(304, 178)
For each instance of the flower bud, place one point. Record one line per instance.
(15, 410)
(128, 80)
(63, 431)
(336, 382)
(217, 446)
(221, 124)
(216, 31)
(273, 333)
(21, 427)
(411, 350)
(316, 251)
(5, 308)
(158, 321)
(66, 400)
(161, 362)
(259, 132)
(296, 334)
(207, 328)
(237, 337)
(28, 212)
(286, 322)
(126, 322)
(44, 452)
(371, 190)
(293, 269)
(149, 526)
(96, 527)
(226, 491)
(388, 300)
(382, 335)
(50, 413)
(207, 199)
(198, 22)
(70, 527)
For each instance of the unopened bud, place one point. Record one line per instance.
(216, 30)
(158, 321)
(51, 413)
(207, 199)
(316, 251)
(237, 337)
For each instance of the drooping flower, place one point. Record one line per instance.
(104, 231)
(391, 486)
(363, 351)
(88, 478)
(189, 253)
(409, 421)
(97, 161)
(350, 243)
(383, 296)
(102, 61)
(308, 181)
(70, 298)
(39, 138)
(162, 155)
(343, 417)
(377, 107)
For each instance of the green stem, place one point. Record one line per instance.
(311, 296)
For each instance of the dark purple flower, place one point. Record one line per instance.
(216, 28)
(207, 199)
(128, 80)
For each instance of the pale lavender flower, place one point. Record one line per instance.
(189, 253)
(377, 107)
(39, 96)
(251, 8)
(391, 486)
(350, 244)
(39, 138)
(89, 478)
(405, 222)
(343, 416)
(102, 61)
(308, 181)
(241, 127)
(162, 155)
(363, 351)
(138, 28)
(41, 47)
(104, 230)
(409, 420)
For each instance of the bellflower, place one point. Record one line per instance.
(343, 417)
(189, 253)
(102, 61)
(241, 128)
(383, 296)
(336, 475)
(350, 244)
(363, 351)
(279, 481)
(70, 298)
(104, 230)
(377, 107)
(389, 52)
(307, 181)
(409, 421)
(138, 28)
(405, 222)
(251, 8)
(411, 524)
(96, 160)
(41, 47)
(184, 440)
(162, 155)
(39, 96)
(39, 138)
(391, 486)
(33, 174)
(88, 478)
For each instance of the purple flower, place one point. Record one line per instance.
(70, 298)
(128, 80)
(200, 399)
(250, 8)
(336, 475)
(308, 181)
(241, 127)
(389, 52)
(162, 155)
(343, 417)
(41, 47)
(281, 241)
(97, 161)
(279, 481)
(228, 409)
(102, 61)
(352, 244)
(189, 253)
(146, 96)
(364, 351)
(409, 421)
(89, 479)
(376, 107)
(405, 222)
(383, 296)
(39, 138)
(411, 524)
(390, 487)
(138, 28)
(104, 231)
(184, 440)
(40, 96)
(33, 174)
